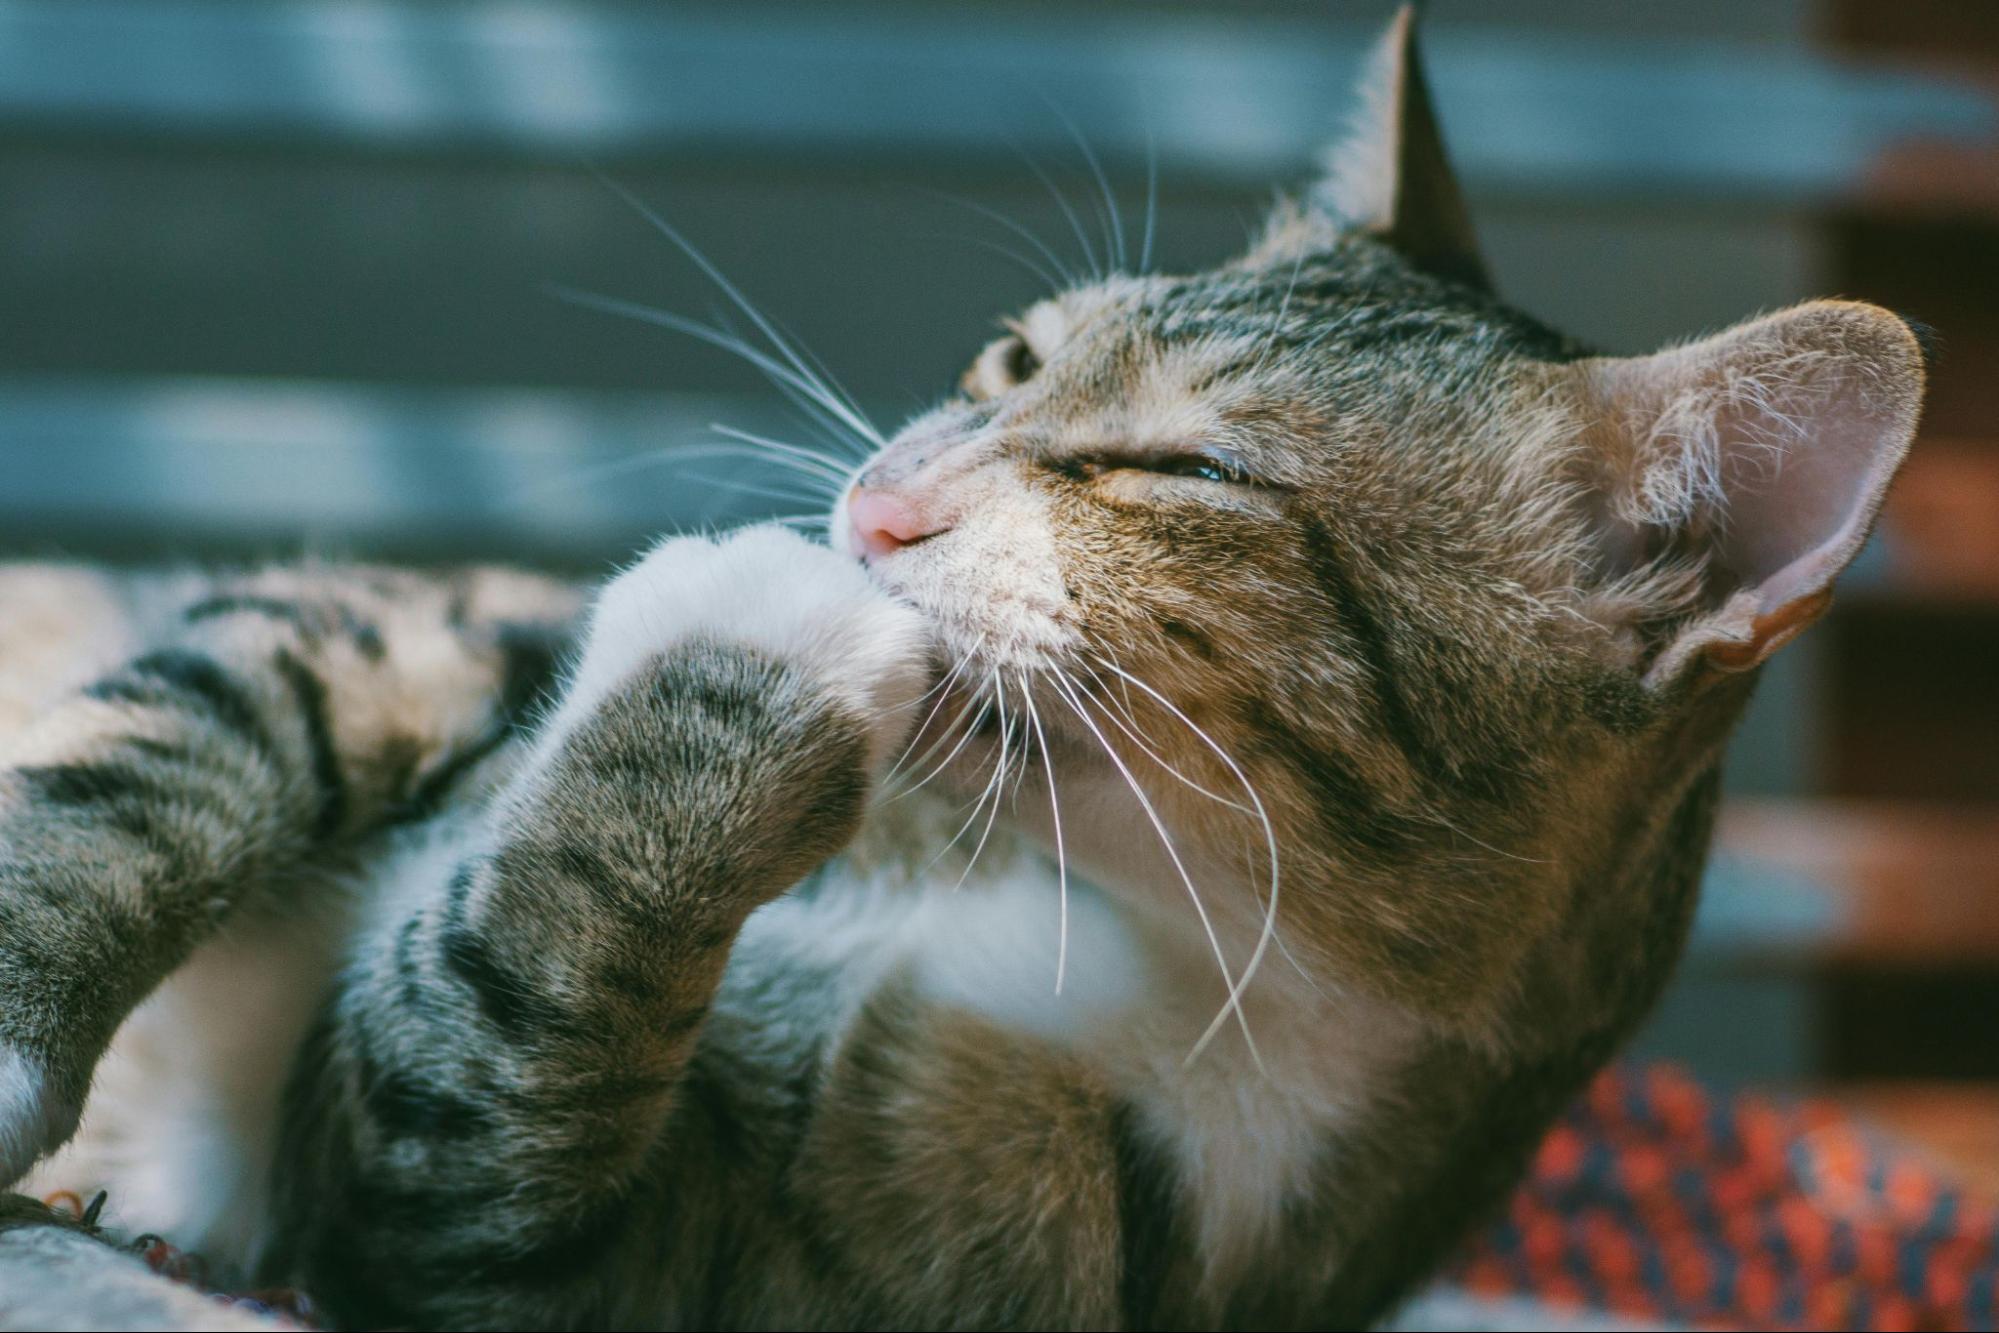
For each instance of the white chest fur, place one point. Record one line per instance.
(1138, 988)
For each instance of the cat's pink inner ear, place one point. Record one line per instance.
(1768, 449)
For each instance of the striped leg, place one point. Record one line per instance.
(467, 1139)
(271, 721)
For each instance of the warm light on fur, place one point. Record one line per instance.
(1232, 775)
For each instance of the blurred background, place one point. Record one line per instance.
(278, 275)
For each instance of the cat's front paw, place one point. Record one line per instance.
(779, 594)
(36, 1116)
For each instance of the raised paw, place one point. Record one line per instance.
(777, 593)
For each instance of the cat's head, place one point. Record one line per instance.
(1446, 588)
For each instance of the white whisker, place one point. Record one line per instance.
(844, 405)
(806, 460)
(1096, 270)
(1269, 930)
(999, 779)
(942, 689)
(1019, 229)
(1234, 1000)
(583, 478)
(1055, 818)
(750, 488)
(1111, 220)
(1040, 271)
(983, 707)
(1438, 819)
(1277, 325)
(811, 397)
(814, 521)
(1151, 199)
(1150, 753)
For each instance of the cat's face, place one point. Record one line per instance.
(1331, 536)
(1260, 490)
(1154, 467)
(1313, 499)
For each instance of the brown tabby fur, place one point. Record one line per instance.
(640, 1013)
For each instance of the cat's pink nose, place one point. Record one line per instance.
(883, 522)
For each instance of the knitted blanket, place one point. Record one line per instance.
(1655, 1202)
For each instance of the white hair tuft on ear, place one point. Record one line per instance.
(1763, 453)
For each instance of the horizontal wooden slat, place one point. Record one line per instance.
(1940, 531)
(1957, 1124)
(1907, 707)
(1871, 882)
(1235, 96)
(1930, 178)
(196, 467)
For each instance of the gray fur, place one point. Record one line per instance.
(628, 1034)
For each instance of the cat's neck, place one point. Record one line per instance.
(1245, 1095)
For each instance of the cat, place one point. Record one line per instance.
(1305, 683)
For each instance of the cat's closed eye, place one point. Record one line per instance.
(1192, 466)
(1200, 467)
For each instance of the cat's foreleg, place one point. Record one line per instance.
(270, 720)
(499, 1069)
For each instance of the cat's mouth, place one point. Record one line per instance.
(979, 630)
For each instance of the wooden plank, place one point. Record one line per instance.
(1885, 882)
(1940, 530)
(1946, 29)
(1246, 96)
(1932, 178)
(1943, 272)
(190, 467)
(1909, 709)
(1955, 1123)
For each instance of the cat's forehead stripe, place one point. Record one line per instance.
(1350, 298)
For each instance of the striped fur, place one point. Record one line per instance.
(1338, 731)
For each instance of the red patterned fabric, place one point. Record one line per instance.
(1657, 1199)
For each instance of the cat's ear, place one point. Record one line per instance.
(1745, 470)
(1390, 176)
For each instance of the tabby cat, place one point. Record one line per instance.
(1305, 681)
